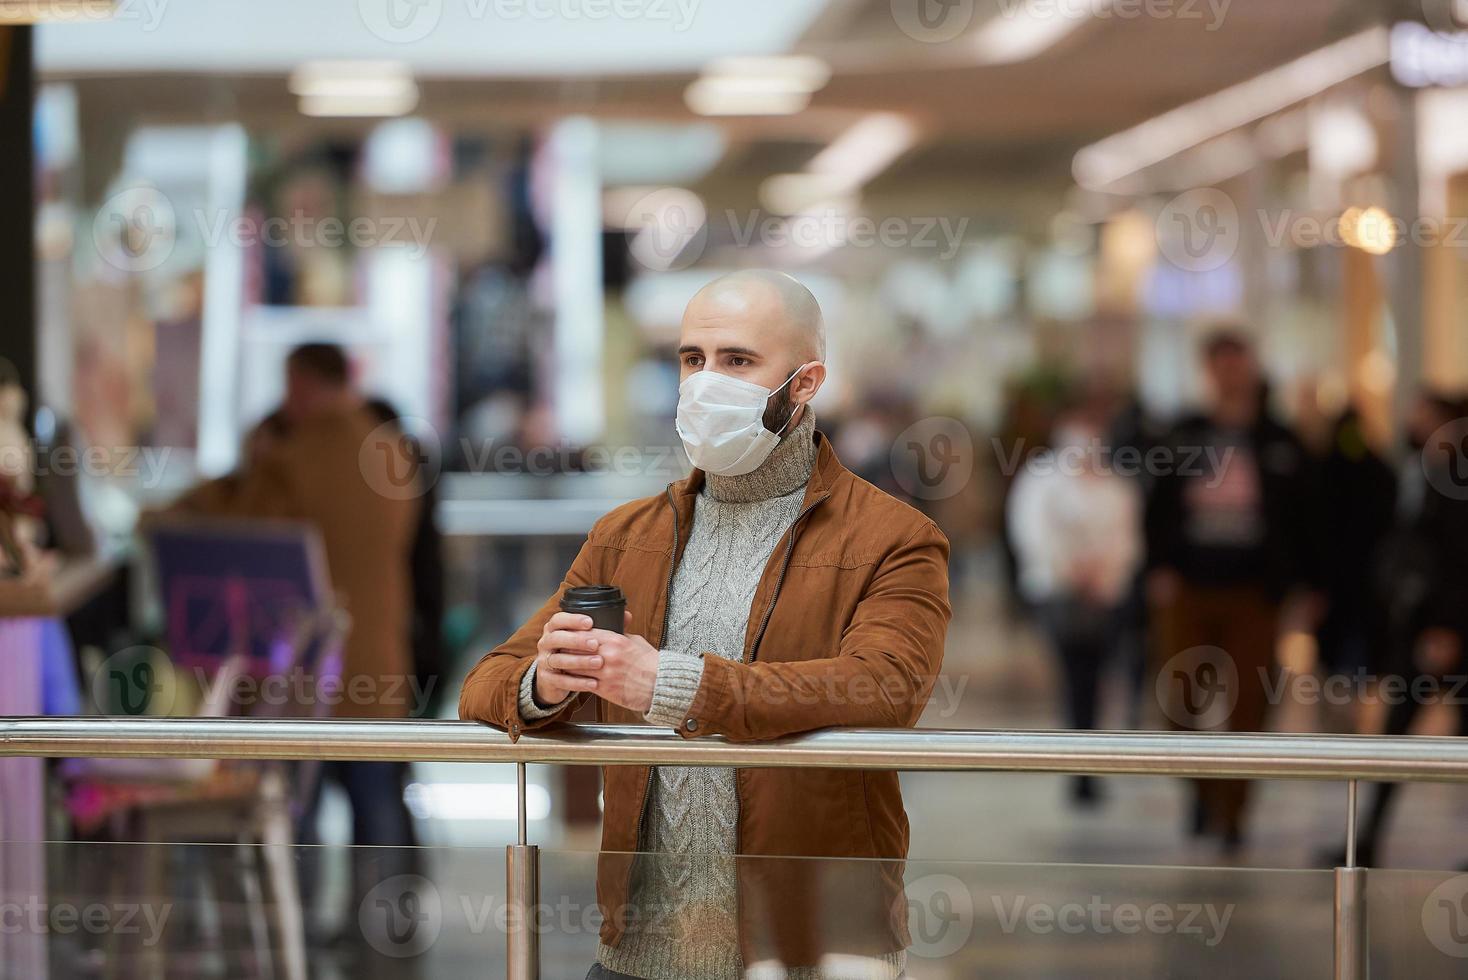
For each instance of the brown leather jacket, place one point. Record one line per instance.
(846, 629)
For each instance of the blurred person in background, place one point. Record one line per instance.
(425, 572)
(1025, 428)
(1077, 530)
(773, 592)
(322, 458)
(1134, 431)
(1424, 581)
(1229, 539)
(1358, 505)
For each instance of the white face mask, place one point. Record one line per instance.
(721, 422)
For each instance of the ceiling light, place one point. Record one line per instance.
(1101, 164)
(794, 72)
(349, 77)
(721, 97)
(1020, 33)
(750, 86)
(866, 149)
(355, 88)
(342, 106)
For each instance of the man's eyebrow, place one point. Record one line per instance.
(738, 351)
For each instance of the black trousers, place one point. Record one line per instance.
(1085, 638)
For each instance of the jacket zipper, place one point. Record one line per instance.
(753, 649)
(780, 579)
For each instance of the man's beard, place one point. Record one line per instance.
(779, 410)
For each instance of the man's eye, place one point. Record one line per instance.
(738, 361)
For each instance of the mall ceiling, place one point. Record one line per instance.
(1017, 124)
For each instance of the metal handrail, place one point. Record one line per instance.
(1351, 758)
(1196, 754)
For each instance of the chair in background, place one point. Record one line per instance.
(244, 602)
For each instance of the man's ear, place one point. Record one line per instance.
(804, 387)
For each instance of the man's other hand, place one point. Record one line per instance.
(628, 671)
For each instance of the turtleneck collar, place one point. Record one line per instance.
(787, 470)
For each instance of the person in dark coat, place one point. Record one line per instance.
(1358, 509)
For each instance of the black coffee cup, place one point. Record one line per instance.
(605, 604)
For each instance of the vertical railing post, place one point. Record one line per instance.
(522, 888)
(1352, 947)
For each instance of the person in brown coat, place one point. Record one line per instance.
(325, 458)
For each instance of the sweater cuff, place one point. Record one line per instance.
(530, 709)
(679, 675)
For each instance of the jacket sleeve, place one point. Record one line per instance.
(491, 692)
(881, 676)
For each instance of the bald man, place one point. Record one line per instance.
(772, 592)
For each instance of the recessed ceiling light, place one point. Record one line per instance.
(724, 97)
(757, 86)
(798, 72)
(355, 88)
(866, 149)
(1021, 32)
